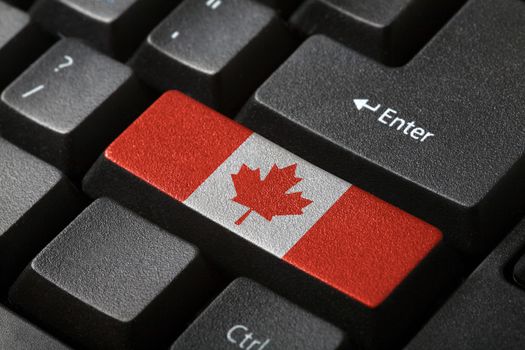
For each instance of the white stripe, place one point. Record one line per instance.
(214, 197)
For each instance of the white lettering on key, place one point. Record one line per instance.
(68, 62)
(360, 104)
(389, 117)
(388, 114)
(243, 338)
(33, 91)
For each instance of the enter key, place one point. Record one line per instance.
(442, 137)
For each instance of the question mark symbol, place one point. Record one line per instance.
(68, 63)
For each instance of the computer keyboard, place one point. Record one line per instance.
(262, 174)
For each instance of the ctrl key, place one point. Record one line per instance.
(112, 280)
(249, 316)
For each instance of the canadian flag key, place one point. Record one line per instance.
(260, 211)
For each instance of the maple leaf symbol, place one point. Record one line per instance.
(268, 197)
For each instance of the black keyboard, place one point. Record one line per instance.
(262, 174)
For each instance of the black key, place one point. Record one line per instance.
(248, 316)
(69, 105)
(17, 334)
(115, 27)
(440, 137)
(487, 311)
(20, 43)
(389, 31)
(216, 51)
(112, 280)
(36, 201)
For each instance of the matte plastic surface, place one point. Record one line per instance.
(487, 310)
(215, 51)
(115, 27)
(247, 315)
(388, 31)
(36, 202)
(69, 105)
(113, 280)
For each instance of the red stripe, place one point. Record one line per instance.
(177, 144)
(364, 247)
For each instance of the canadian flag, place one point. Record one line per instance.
(322, 225)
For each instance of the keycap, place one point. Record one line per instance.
(20, 43)
(69, 105)
(113, 280)
(17, 334)
(259, 211)
(388, 31)
(216, 51)
(36, 201)
(439, 138)
(249, 316)
(486, 312)
(115, 27)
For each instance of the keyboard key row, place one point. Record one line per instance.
(260, 211)
(391, 32)
(117, 27)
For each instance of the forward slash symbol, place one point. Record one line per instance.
(361, 103)
(213, 4)
(33, 91)
(175, 35)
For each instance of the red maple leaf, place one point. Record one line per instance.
(268, 197)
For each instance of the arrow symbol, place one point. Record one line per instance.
(361, 103)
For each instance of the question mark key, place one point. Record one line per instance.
(62, 108)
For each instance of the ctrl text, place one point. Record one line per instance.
(241, 337)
